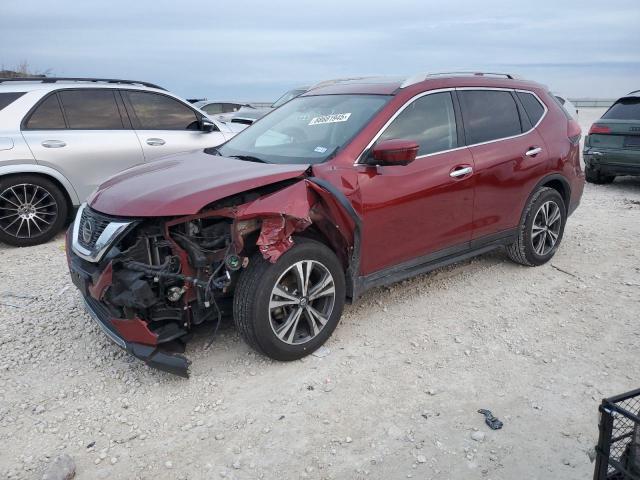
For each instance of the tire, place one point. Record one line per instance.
(258, 322)
(36, 204)
(535, 245)
(594, 176)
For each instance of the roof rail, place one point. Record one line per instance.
(79, 79)
(333, 81)
(635, 91)
(423, 76)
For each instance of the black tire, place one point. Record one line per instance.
(523, 250)
(253, 292)
(594, 176)
(34, 232)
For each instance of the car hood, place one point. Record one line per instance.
(183, 184)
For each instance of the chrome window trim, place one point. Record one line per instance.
(109, 235)
(440, 90)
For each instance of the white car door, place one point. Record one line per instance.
(81, 133)
(166, 125)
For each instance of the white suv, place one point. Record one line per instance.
(62, 137)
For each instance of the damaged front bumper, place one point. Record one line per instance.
(127, 331)
(154, 356)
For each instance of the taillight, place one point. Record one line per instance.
(595, 128)
(574, 132)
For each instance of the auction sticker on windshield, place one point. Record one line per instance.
(333, 118)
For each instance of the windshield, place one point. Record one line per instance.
(305, 130)
(287, 96)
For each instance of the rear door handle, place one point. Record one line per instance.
(533, 151)
(155, 142)
(461, 172)
(53, 144)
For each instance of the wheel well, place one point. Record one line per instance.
(561, 188)
(53, 180)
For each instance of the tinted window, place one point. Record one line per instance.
(48, 115)
(489, 115)
(159, 112)
(624, 109)
(213, 108)
(532, 106)
(231, 107)
(91, 109)
(9, 97)
(430, 121)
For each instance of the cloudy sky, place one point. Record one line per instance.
(253, 50)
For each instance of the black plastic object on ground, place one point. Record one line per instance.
(618, 450)
(493, 422)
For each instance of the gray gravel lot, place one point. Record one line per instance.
(396, 396)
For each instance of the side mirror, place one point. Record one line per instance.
(395, 152)
(207, 125)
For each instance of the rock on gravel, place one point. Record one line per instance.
(62, 468)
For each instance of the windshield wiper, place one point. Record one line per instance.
(249, 158)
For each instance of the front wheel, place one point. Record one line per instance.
(288, 309)
(540, 231)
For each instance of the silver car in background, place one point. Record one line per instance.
(61, 137)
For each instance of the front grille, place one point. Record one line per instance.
(92, 224)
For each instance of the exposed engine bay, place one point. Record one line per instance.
(163, 276)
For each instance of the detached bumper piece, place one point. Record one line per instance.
(154, 356)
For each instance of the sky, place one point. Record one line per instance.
(251, 50)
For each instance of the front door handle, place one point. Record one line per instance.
(533, 151)
(461, 172)
(155, 142)
(53, 144)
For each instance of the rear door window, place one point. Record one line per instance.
(160, 112)
(624, 109)
(91, 109)
(47, 116)
(489, 115)
(8, 98)
(430, 121)
(532, 106)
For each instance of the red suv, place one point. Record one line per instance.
(347, 187)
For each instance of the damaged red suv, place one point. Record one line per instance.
(349, 186)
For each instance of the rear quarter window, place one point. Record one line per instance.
(47, 116)
(8, 98)
(624, 109)
(532, 106)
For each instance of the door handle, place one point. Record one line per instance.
(533, 151)
(53, 144)
(461, 172)
(155, 142)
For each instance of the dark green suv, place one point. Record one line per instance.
(613, 144)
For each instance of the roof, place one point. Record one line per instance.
(391, 85)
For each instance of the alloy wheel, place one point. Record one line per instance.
(27, 210)
(546, 227)
(301, 302)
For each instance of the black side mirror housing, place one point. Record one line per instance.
(207, 125)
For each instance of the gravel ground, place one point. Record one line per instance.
(396, 396)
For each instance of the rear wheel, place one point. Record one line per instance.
(540, 231)
(288, 309)
(594, 176)
(32, 210)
